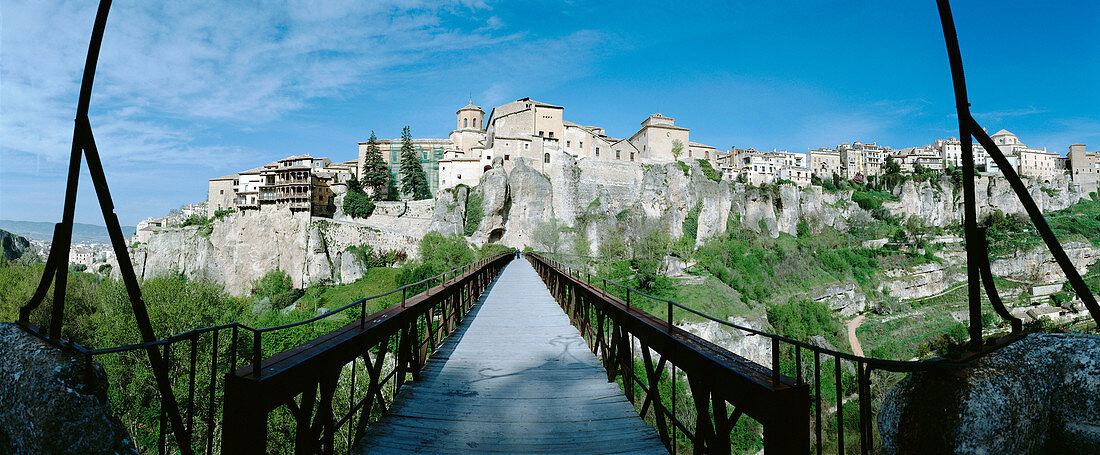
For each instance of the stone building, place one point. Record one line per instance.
(1084, 167)
(767, 167)
(824, 162)
(302, 183)
(220, 194)
(926, 156)
(537, 131)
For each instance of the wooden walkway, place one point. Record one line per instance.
(516, 377)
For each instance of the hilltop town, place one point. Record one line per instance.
(538, 132)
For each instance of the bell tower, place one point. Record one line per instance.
(470, 117)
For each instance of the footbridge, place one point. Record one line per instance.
(509, 354)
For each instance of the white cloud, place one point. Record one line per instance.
(173, 74)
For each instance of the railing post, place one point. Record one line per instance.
(244, 424)
(257, 352)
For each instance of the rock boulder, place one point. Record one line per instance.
(1037, 395)
(50, 402)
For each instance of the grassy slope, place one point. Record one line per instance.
(376, 281)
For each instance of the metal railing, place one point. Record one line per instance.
(802, 399)
(210, 369)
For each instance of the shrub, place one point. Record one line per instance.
(196, 220)
(802, 318)
(803, 228)
(357, 204)
(277, 286)
(690, 225)
(708, 170)
(474, 213)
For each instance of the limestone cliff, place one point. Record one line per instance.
(588, 196)
(243, 247)
(593, 200)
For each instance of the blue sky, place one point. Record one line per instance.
(190, 90)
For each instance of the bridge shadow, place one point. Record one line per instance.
(514, 377)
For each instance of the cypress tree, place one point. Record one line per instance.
(376, 173)
(413, 180)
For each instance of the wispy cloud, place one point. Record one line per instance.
(1000, 116)
(170, 72)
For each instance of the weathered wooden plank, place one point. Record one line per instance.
(515, 377)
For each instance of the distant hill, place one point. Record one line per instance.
(40, 230)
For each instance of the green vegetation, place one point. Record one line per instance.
(357, 203)
(761, 268)
(375, 173)
(691, 222)
(708, 170)
(684, 167)
(474, 212)
(1007, 234)
(677, 148)
(413, 180)
(438, 254)
(801, 318)
(277, 288)
(369, 258)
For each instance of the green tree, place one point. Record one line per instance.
(376, 173)
(891, 166)
(413, 180)
(391, 188)
(677, 148)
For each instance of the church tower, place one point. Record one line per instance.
(470, 117)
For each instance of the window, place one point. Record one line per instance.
(581, 144)
(489, 157)
(506, 157)
(465, 122)
(475, 123)
(568, 144)
(597, 151)
(617, 152)
(631, 156)
(526, 146)
(540, 133)
(545, 157)
(551, 134)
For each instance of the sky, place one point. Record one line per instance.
(190, 90)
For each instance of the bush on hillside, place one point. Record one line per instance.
(276, 286)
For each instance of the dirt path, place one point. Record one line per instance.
(853, 340)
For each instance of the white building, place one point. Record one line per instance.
(538, 132)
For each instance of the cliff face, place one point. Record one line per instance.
(589, 196)
(597, 200)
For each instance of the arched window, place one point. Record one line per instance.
(475, 123)
(546, 158)
(465, 122)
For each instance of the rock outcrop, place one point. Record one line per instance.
(1037, 265)
(1037, 395)
(14, 246)
(243, 247)
(50, 402)
(755, 348)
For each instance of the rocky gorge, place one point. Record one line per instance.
(581, 198)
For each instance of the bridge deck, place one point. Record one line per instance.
(516, 377)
